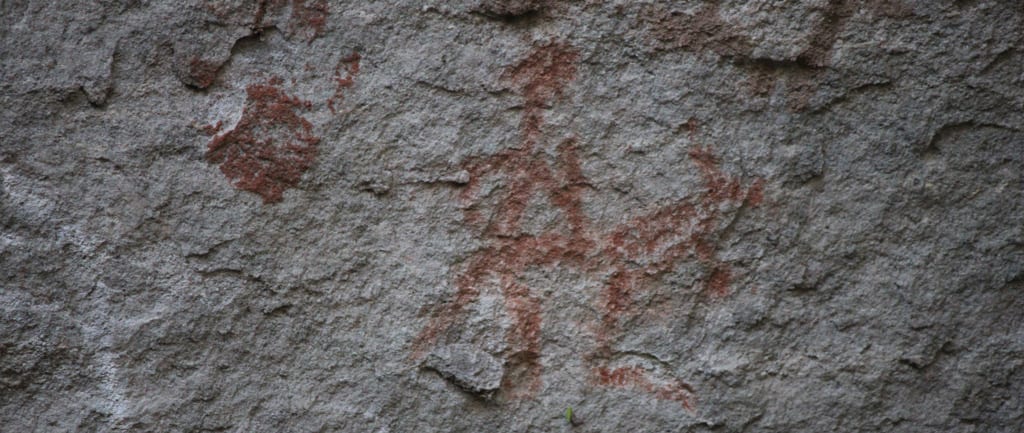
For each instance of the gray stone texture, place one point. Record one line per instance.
(471, 215)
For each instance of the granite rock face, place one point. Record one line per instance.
(393, 216)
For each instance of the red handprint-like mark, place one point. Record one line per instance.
(272, 144)
(270, 147)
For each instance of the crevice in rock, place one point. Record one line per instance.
(948, 130)
(511, 11)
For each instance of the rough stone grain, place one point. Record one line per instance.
(470, 215)
(467, 367)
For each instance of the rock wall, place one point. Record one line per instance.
(523, 215)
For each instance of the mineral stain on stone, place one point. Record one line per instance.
(271, 146)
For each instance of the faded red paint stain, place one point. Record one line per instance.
(705, 31)
(755, 195)
(651, 245)
(638, 378)
(202, 72)
(702, 31)
(213, 129)
(350, 67)
(835, 14)
(306, 18)
(270, 147)
(629, 257)
(692, 126)
(524, 338)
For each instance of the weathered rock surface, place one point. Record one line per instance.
(325, 216)
(475, 371)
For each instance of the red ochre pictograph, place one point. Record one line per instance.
(272, 144)
(629, 258)
(270, 147)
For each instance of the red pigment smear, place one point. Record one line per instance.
(202, 73)
(835, 14)
(212, 130)
(630, 257)
(522, 377)
(307, 18)
(524, 340)
(705, 31)
(541, 78)
(636, 377)
(350, 66)
(692, 127)
(544, 73)
(755, 194)
(270, 147)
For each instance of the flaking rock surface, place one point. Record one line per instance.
(464, 216)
